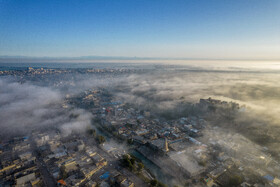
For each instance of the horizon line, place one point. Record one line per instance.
(93, 58)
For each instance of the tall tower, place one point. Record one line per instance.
(166, 145)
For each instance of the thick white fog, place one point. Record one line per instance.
(24, 107)
(36, 104)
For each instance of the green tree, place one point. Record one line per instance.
(160, 184)
(101, 139)
(132, 160)
(91, 132)
(202, 163)
(130, 141)
(154, 182)
(235, 180)
(140, 166)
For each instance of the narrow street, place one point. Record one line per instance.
(46, 176)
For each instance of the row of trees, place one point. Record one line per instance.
(157, 183)
(99, 138)
(130, 162)
(136, 165)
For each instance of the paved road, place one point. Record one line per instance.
(47, 177)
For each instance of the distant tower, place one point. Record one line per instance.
(166, 145)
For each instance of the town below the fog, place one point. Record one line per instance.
(103, 137)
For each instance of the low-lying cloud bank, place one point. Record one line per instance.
(167, 89)
(32, 105)
(25, 107)
(173, 93)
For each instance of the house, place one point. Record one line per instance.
(25, 179)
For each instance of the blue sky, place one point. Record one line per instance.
(236, 29)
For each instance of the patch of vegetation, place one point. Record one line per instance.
(129, 162)
(235, 180)
(91, 132)
(101, 139)
(157, 183)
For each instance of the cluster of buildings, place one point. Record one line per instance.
(187, 150)
(18, 164)
(50, 159)
(32, 71)
(46, 71)
(179, 147)
(235, 155)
